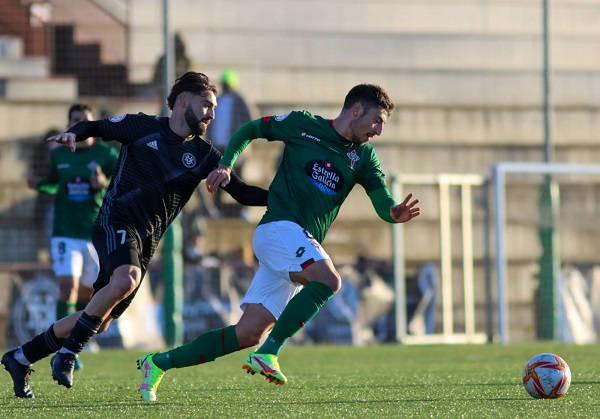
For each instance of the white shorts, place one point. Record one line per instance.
(75, 257)
(281, 247)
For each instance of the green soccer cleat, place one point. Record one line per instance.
(267, 365)
(152, 376)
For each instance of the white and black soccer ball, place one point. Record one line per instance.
(546, 376)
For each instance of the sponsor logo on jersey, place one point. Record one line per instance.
(281, 117)
(353, 158)
(152, 144)
(118, 118)
(311, 137)
(324, 176)
(188, 160)
(78, 190)
(63, 166)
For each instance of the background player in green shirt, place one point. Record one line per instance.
(322, 161)
(78, 181)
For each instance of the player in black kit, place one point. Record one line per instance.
(162, 161)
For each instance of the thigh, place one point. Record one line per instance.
(284, 247)
(271, 289)
(67, 259)
(322, 271)
(116, 246)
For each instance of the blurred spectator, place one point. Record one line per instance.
(183, 64)
(44, 203)
(232, 111)
(78, 181)
(194, 231)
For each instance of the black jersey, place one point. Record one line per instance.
(156, 174)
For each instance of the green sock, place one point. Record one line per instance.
(204, 348)
(63, 309)
(80, 305)
(300, 310)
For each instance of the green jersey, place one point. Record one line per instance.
(318, 170)
(76, 204)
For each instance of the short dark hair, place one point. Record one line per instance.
(78, 107)
(369, 95)
(190, 82)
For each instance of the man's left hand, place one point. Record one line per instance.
(405, 211)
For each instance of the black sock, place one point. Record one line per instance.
(86, 327)
(42, 345)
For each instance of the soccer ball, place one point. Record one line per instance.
(546, 376)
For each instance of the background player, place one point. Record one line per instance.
(78, 181)
(322, 161)
(161, 162)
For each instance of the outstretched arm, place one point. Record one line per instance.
(246, 194)
(238, 143)
(123, 129)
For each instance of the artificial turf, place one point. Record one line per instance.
(324, 381)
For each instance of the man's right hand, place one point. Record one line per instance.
(218, 177)
(66, 138)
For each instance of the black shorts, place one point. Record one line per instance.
(117, 245)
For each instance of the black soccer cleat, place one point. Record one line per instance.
(62, 365)
(19, 374)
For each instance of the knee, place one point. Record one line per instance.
(247, 337)
(333, 280)
(124, 284)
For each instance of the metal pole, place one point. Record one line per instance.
(399, 268)
(489, 315)
(548, 149)
(500, 209)
(446, 256)
(169, 60)
(467, 238)
(548, 209)
(172, 259)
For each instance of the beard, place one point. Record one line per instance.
(195, 124)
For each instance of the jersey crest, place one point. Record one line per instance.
(188, 160)
(353, 158)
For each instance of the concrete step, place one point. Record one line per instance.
(376, 16)
(40, 89)
(378, 34)
(338, 51)
(24, 67)
(473, 126)
(328, 86)
(11, 47)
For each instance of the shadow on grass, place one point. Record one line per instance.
(370, 386)
(93, 406)
(139, 403)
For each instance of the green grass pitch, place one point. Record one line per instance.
(324, 381)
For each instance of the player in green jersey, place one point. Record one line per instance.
(78, 181)
(322, 161)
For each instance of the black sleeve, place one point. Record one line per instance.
(246, 194)
(124, 129)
